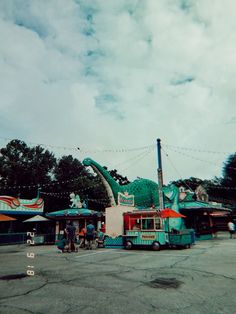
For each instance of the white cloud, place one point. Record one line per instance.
(108, 74)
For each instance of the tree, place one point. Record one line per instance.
(71, 176)
(192, 183)
(229, 178)
(117, 177)
(23, 169)
(229, 171)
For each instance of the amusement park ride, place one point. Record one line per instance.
(143, 213)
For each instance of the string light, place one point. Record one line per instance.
(147, 149)
(97, 200)
(46, 184)
(194, 149)
(172, 164)
(74, 191)
(138, 158)
(85, 151)
(199, 159)
(118, 150)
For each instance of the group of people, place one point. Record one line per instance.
(84, 238)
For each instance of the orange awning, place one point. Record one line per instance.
(170, 213)
(6, 218)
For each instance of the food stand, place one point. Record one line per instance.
(149, 229)
(144, 228)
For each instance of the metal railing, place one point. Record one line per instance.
(21, 238)
(13, 238)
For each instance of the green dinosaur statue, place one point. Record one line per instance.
(145, 191)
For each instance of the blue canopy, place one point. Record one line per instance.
(74, 212)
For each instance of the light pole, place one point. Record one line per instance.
(160, 175)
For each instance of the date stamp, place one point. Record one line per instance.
(30, 255)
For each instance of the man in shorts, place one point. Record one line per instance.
(70, 230)
(90, 232)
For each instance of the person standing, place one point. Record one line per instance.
(103, 227)
(70, 230)
(82, 237)
(90, 231)
(231, 228)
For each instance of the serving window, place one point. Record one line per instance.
(147, 224)
(143, 223)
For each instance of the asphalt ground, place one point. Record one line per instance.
(197, 280)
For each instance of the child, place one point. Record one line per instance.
(63, 245)
(82, 235)
(100, 238)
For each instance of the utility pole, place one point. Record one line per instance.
(160, 175)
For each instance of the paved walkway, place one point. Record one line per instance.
(197, 280)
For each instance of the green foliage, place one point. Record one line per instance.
(220, 190)
(229, 171)
(21, 165)
(74, 177)
(190, 183)
(229, 178)
(117, 177)
(24, 169)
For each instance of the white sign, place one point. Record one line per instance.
(125, 199)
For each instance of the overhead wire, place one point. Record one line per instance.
(194, 149)
(139, 158)
(132, 158)
(172, 164)
(147, 150)
(82, 150)
(199, 159)
(117, 150)
(210, 186)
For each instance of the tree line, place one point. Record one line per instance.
(24, 170)
(220, 189)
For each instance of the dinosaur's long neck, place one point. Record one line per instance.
(110, 184)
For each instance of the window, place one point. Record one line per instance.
(148, 224)
(157, 223)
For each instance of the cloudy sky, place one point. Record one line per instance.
(112, 76)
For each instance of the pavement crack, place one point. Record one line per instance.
(23, 294)
(207, 273)
(28, 292)
(19, 308)
(181, 261)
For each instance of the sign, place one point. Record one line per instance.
(148, 237)
(125, 199)
(9, 204)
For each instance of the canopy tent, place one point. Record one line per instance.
(36, 218)
(75, 212)
(6, 218)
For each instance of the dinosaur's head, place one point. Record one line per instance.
(87, 162)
